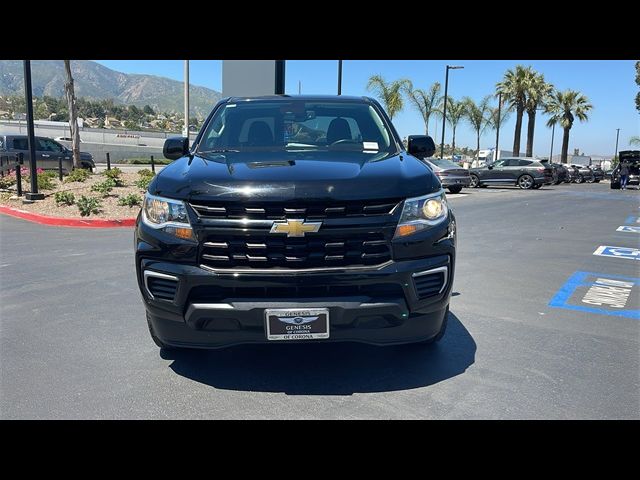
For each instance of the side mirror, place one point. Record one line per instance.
(421, 146)
(490, 167)
(175, 147)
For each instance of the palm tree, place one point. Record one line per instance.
(390, 94)
(564, 108)
(73, 115)
(635, 140)
(514, 91)
(455, 112)
(478, 116)
(537, 93)
(426, 102)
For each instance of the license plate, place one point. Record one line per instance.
(297, 323)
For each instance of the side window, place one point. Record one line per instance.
(499, 163)
(511, 163)
(20, 144)
(47, 145)
(524, 163)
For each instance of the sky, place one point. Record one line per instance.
(608, 84)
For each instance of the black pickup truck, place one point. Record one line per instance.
(295, 219)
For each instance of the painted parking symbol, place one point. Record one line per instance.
(600, 293)
(628, 228)
(618, 252)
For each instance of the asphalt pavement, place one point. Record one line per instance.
(540, 327)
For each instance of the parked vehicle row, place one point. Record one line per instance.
(48, 152)
(632, 159)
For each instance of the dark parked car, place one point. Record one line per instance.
(524, 172)
(583, 173)
(560, 172)
(451, 175)
(299, 219)
(633, 158)
(48, 152)
(598, 174)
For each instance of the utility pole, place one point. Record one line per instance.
(339, 77)
(299, 87)
(495, 157)
(617, 136)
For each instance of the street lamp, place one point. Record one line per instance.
(553, 131)
(617, 136)
(444, 113)
(339, 77)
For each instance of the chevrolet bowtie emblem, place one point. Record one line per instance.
(295, 228)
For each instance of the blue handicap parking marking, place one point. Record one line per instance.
(600, 293)
(630, 219)
(627, 253)
(628, 228)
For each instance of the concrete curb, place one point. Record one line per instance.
(67, 222)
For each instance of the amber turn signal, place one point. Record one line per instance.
(403, 230)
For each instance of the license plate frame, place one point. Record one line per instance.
(296, 324)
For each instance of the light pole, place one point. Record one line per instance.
(339, 77)
(617, 136)
(553, 131)
(186, 98)
(495, 157)
(444, 113)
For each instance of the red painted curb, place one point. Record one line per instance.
(67, 222)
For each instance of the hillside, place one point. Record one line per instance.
(96, 81)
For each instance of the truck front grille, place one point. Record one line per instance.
(265, 251)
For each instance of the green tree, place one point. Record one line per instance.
(390, 94)
(426, 102)
(635, 141)
(148, 110)
(514, 91)
(538, 92)
(564, 108)
(478, 117)
(456, 111)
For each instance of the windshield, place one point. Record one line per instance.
(268, 126)
(444, 163)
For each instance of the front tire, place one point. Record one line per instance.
(580, 179)
(475, 181)
(526, 182)
(455, 189)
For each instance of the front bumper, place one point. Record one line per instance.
(213, 309)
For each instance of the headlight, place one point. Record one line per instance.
(168, 215)
(422, 212)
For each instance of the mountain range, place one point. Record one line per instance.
(96, 81)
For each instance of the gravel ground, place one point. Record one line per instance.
(109, 209)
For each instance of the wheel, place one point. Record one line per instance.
(591, 180)
(537, 186)
(525, 182)
(615, 185)
(156, 340)
(475, 181)
(455, 189)
(580, 179)
(438, 337)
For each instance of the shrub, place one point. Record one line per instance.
(130, 200)
(143, 183)
(7, 181)
(88, 205)
(48, 174)
(104, 188)
(146, 173)
(44, 179)
(64, 198)
(78, 175)
(114, 174)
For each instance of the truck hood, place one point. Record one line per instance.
(282, 176)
